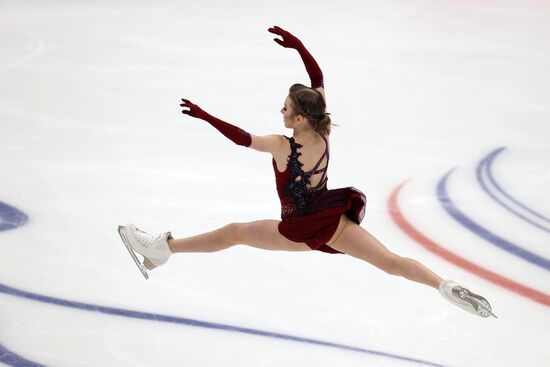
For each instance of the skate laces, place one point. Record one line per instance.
(145, 238)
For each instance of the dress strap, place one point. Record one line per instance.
(315, 170)
(324, 178)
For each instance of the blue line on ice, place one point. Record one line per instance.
(484, 233)
(15, 360)
(486, 166)
(11, 218)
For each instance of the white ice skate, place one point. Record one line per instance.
(153, 248)
(462, 297)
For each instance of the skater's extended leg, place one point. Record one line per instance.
(216, 240)
(357, 242)
(263, 234)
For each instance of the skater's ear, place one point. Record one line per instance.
(267, 143)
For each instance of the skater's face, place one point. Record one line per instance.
(289, 118)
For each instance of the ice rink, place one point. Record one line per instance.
(444, 123)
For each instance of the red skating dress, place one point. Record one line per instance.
(311, 215)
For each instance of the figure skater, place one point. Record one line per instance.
(312, 216)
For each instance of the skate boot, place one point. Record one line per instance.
(153, 248)
(462, 297)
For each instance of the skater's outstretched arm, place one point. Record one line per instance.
(291, 41)
(232, 132)
(268, 143)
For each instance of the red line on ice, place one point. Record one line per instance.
(455, 259)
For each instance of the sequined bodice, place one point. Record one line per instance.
(292, 184)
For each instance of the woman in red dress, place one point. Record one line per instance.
(313, 217)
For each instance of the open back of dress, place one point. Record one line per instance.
(311, 213)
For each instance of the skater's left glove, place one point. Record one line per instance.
(288, 41)
(291, 41)
(232, 132)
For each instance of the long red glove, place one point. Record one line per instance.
(291, 41)
(232, 132)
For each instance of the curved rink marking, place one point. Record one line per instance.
(486, 166)
(453, 258)
(11, 218)
(15, 360)
(12, 359)
(483, 232)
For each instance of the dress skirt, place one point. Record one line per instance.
(318, 226)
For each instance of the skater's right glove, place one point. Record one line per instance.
(232, 132)
(194, 110)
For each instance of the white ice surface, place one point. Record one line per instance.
(91, 136)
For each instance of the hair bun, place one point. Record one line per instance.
(310, 103)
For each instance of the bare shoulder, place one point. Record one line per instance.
(268, 143)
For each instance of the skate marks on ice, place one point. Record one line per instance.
(33, 45)
(16, 218)
(439, 250)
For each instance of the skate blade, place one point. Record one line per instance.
(481, 309)
(131, 251)
(480, 304)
